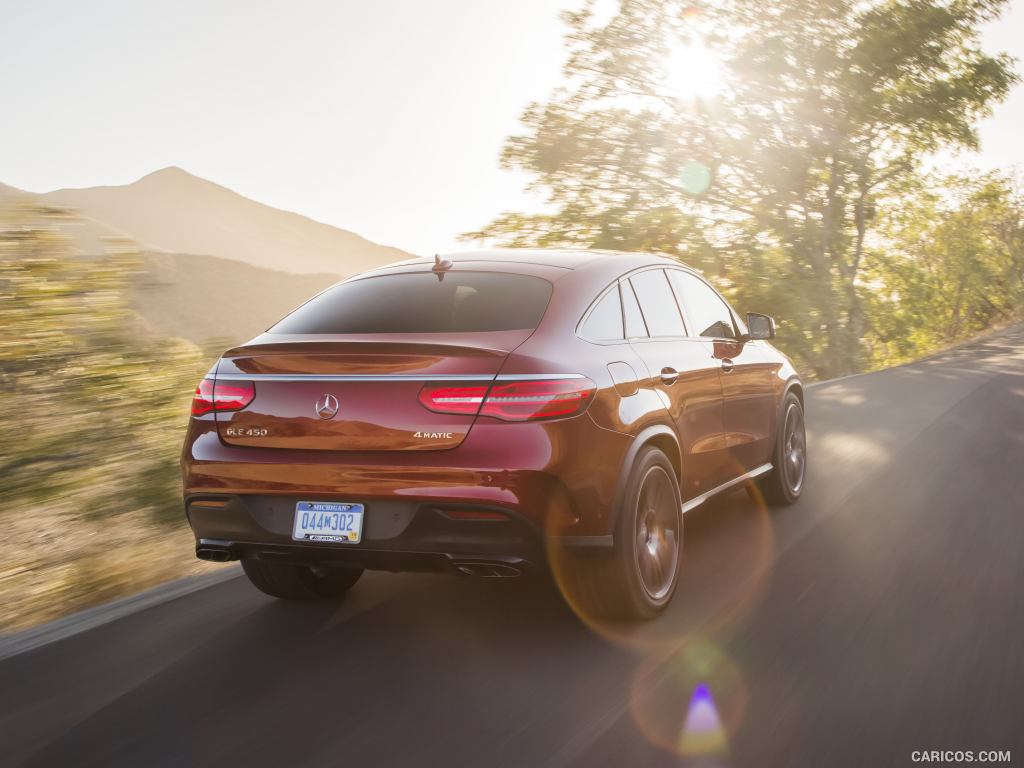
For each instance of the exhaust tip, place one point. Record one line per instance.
(215, 552)
(488, 570)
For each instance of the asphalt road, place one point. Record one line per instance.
(881, 615)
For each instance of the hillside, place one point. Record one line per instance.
(173, 211)
(219, 268)
(214, 301)
(86, 235)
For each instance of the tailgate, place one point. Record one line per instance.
(355, 395)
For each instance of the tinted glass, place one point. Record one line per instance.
(631, 310)
(657, 303)
(706, 312)
(419, 303)
(605, 322)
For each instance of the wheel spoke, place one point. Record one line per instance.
(658, 567)
(654, 495)
(647, 567)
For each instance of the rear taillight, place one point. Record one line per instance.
(222, 396)
(516, 401)
(465, 400)
(202, 400)
(526, 400)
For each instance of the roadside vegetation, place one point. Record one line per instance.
(93, 412)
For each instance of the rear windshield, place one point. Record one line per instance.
(420, 303)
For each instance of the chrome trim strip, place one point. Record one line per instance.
(755, 472)
(360, 377)
(538, 376)
(350, 377)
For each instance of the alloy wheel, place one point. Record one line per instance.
(658, 533)
(794, 449)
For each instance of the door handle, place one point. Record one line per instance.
(727, 365)
(669, 376)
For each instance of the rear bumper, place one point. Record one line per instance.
(397, 535)
(554, 479)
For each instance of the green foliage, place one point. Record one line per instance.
(93, 410)
(827, 108)
(952, 265)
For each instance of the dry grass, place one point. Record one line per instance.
(55, 562)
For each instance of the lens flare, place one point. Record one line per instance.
(703, 732)
(695, 178)
(690, 702)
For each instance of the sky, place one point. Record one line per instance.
(385, 118)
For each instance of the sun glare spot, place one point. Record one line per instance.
(693, 71)
(703, 731)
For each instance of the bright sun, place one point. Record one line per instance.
(693, 71)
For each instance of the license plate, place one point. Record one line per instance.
(328, 521)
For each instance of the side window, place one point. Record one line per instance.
(635, 327)
(604, 323)
(706, 312)
(657, 303)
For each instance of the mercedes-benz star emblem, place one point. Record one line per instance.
(327, 407)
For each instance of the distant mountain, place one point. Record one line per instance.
(218, 267)
(230, 304)
(173, 211)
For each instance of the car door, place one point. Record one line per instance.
(683, 373)
(746, 371)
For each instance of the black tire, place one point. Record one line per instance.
(784, 484)
(290, 581)
(621, 584)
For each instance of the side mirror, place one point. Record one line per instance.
(760, 326)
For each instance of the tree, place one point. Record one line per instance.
(952, 265)
(772, 185)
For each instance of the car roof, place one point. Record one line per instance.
(552, 261)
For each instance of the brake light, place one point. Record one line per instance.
(234, 396)
(464, 400)
(516, 401)
(202, 400)
(526, 400)
(222, 396)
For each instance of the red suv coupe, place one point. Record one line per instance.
(472, 413)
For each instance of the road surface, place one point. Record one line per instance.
(882, 615)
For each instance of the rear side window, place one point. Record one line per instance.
(657, 303)
(604, 323)
(419, 303)
(635, 327)
(707, 312)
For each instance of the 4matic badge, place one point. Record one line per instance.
(434, 435)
